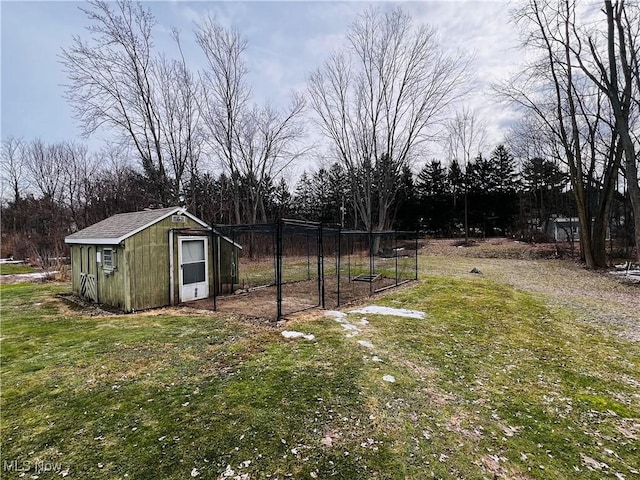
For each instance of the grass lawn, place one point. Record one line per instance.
(296, 269)
(14, 269)
(494, 382)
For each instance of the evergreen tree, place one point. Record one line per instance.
(407, 206)
(493, 201)
(282, 200)
(340, 198)
(505, 200)
(387, 183)
(506, 171)
(322, 209)
(541, 174)
(456, 180)
(543, 183)
(432, 180)
(434, 195)
(303, 198)
(483, 176)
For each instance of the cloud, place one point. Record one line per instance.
(287, 40)
(482, 30)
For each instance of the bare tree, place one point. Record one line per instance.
(612, 65)
(268, 142)
(465, 139)
(572, 112)
(466, 135)
(378, 99)
(179, 124)
(117, 82)
(112, 80)
(47, 221)
(45, 165)
(14, 168)
(78, 172)
(255, 143)
(15, 180)
(118, 186)
(226, 94)
(527, 138)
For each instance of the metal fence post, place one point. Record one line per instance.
(321, 265)
(216, 268)
(339, 253)
(395, 251)
(416, 249)
(278, 233)
(371, 263)
(349, 258)
(308, 258)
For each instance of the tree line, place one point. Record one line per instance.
(505, 196)
(185, 136)
(60, 188)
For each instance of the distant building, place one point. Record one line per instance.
(566, 229)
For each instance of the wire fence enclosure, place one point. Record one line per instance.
(290, 266)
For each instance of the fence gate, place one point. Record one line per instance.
(88, 287)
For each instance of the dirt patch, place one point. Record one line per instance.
(456, 425)
(496, 467)
(498, 248)
(85, 307)
(260, 304)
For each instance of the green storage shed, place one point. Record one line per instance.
(152, 258)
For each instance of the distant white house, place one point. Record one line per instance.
(563, 229)
(566, 229)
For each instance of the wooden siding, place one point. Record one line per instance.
(76, 252)
(110, 288)
(83, 264)
(111, 283)
(147, 255)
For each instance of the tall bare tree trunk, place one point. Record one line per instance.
(580, 121)
(614, 74)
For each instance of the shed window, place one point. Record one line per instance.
(109, 258)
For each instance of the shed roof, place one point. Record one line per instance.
(117, 228)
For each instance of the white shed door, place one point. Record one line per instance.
(192, 256)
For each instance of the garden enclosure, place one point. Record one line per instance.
(289, 266)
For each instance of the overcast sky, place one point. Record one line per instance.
(286, 41)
